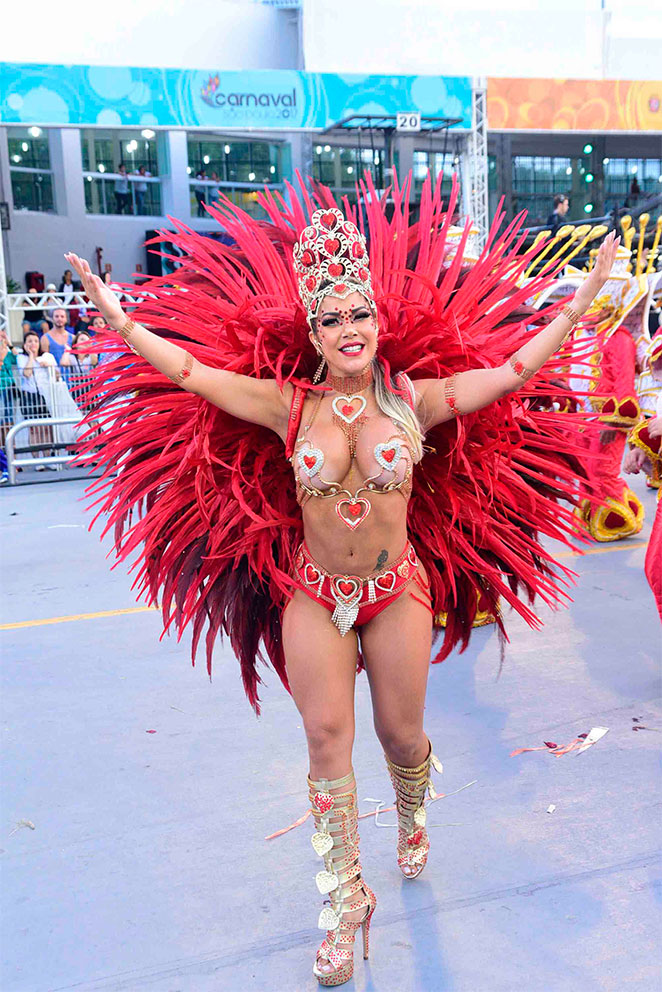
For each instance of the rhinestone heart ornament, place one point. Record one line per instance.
(388, 455)
(322, 843)
(344, 407)
(323, 801)
(353, 511)
(311, 461)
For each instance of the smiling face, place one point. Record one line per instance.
(346, 332)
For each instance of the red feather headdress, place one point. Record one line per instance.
(207, 502)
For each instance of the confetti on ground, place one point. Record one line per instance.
(23, 823)
(551, 808)
(150, 731)
(580, 743)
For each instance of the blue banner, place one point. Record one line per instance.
(116, 96)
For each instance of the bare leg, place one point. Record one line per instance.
(396, 647)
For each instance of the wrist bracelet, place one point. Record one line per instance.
(571, 315)
(520, 369)
(126, 331)
(185, 372)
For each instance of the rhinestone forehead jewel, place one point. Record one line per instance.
(331, 252)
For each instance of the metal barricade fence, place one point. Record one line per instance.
(47, 403)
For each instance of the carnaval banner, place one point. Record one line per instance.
(115, 96)
(574, 105)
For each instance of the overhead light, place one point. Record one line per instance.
(272, 170)
(588, 149)
(35, 132)
(568, 171)
(350, 170)
(588, 208)
(634, 170)
(16, 158)
(131, 147)
(251, 176)
(102, 167)
(148, 133)
(327, 148)
(605, 161)
(588, 178)
(89, 179)
(659, 179)
(189, 169)
(227, 149)
(206, 159)
(25, 146)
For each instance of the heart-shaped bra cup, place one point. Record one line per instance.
(388, 455)
(311, 461)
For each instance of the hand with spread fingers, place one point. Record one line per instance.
(103, 298)
(600, 272)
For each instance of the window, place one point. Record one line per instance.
(446, 163)
(237, 168)
(30, 167)
(536, 180)
(620, 175)
(341, 167)
(106, 190)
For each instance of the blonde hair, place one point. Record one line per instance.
(395, 407)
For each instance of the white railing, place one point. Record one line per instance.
(101, 182)
(63, 301)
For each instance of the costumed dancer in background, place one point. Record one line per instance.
(301, 518)
(645, 455)
(614, 512)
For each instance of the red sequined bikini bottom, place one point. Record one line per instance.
(353, 599)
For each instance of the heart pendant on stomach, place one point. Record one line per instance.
(353, 511)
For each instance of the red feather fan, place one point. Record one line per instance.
(206, 502)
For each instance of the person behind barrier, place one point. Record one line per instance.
(59, 339)
(557, 217)
(34, 379)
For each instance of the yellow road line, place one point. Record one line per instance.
(617, 546)
(76, 616)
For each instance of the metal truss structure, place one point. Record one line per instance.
(478, 199)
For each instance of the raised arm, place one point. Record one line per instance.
(259, 401)
(466, 392)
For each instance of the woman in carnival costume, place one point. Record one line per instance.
(305, 518)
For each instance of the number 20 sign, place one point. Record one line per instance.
(408, 122)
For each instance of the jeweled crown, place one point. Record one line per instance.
(331, 259)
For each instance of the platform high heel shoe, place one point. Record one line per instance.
(410, 786)
(336, 839)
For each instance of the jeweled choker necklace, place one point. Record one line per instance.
(350, 384)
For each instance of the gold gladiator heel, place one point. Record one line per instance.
(410, 786)
(334, 807)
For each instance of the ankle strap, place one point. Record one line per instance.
(326, 784)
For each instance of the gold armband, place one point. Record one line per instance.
(520, 369)
(185, 373)
(449, 395)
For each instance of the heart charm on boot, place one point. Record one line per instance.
(326, 881)
(322, 843)
(353, 511)
(328, 920)
(323, 801)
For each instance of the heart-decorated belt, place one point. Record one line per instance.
(348, 593)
